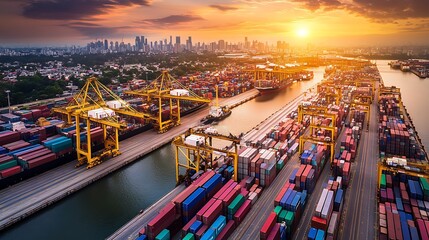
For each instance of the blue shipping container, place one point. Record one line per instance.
(320, 234)
(209, 235)
(312, 234)
(218, 224)
(213, 183)
(195, 227)
(196, 197)
(285, 197)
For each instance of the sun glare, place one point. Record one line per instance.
(302, 32)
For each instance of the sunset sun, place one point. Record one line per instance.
(302, 32)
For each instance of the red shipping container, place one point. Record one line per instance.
(280, 194)
(178, 200)
(201, 212)
(422, 229)
(275, 232)
(41, 160)
(201, 232)
(227, 191)
(390, 225)
(36, 154)
(231, 196)
(163, 220)
(268, 225)
(212, 213)
(223, 189)
(398, 230)
(5, 159)
(242, 211)
(202, 177)
(185, 229)
(10, 171)
(226, 231)
(319, 223)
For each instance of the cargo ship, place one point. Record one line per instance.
(216, 113)
(267, 86)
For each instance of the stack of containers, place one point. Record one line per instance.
(60, 145)
(244, 160)
(288, 206)
(204, 218)
(396, 136)
(8, 137)
(328, 210)
(403, 207)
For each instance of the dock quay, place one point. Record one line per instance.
(32, 195)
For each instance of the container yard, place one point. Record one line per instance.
(69, 179)
(304, 172)
(259, 156)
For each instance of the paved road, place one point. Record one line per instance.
(27, 197)
(359, 214)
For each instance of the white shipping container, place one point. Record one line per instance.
(194, 140)
(101, 113)
(179, 92)
(327, 207)
(333, 224)
(321, 202)
(115, 104)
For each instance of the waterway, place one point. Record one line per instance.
(99, 209)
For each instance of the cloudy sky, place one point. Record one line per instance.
(319, 22)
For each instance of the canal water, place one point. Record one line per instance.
(101, 208)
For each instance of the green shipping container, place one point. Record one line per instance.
(6, 165)
(383, 181)
(425, 186)
(282, 216)
(280, 164)
(236, 204)
(189, 236)
(163, 235)
(277, 210)
(289, 218)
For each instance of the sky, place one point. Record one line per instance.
(316, 22)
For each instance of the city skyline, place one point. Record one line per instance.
(298, 22)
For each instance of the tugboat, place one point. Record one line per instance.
(216, 113)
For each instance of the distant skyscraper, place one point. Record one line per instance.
(189, 44)
(111, 45)
(138, 43)
(142, 42)
(221, 45)
(106, 44)
(177, 39)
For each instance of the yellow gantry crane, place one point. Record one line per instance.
(196, 146)
(316, 112)
(166, 88)
(90, 107)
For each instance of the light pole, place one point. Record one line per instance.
(146, 76)
(8, 99)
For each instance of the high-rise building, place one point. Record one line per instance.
(189, 44)
(138, 43)
(106, 44)
(142, 42)
(246, 43)
(177, 47)
(221, 45)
